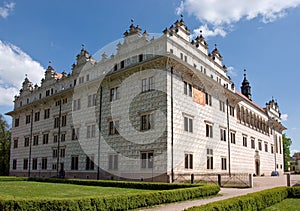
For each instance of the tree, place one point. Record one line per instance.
(5, 135)
(286, 151)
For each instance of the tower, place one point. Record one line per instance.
(246, 88)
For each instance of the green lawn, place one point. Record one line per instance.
(286, 205)
(26, 190)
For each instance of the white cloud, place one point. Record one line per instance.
(6, 9)
(219, 13)
(231, 71)
(14, 64)
(210, 33)
(284, 117)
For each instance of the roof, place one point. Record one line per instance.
(251, 102)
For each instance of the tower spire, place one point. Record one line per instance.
(246, 88)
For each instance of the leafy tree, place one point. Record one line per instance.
(5, 135)
(286, 151)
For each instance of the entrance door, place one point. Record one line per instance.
(257, 167)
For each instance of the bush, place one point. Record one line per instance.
(119, 184)
(12, 178)
(253, 201)
(174, 193)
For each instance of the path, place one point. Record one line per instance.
(260, 183)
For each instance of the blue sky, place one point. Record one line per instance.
(261, 36)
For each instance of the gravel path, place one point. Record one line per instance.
(260, 183)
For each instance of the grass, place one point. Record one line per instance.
(30, 190)
(286, 205)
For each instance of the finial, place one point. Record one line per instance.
(181, 15)
(132, 20)
(215, 46)
(245, 73)
(49, 62)
(82, 46)
(200, 32)
(26, 75)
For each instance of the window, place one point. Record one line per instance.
(74, 162)
(54, 153)
(147, 159)
(26, 142)
(34, 163)
(208, 99)
(92, 100)
(147, 121)
(87, 77)
(223, 134)
(266, 147)
(222, 106)
(14, 164)
(62, 152)
(81, 80)
(55, 138)
(15, 143)
(148, 84)
(232, 137)
(27, 120)
(188, 89)
(140, 57)
(17, 122)
(280, 149)
(209, 130)
(209, 164)
(75, 133)
(245, 141)
(54, 166)
(25, 164)
(113, 127)
(91, 131)
(57, 103)
(231, 111)
(35, 140)
(89, 163)
(76, 105)
(65, 101)
(122, 64)
(114, 94)
(181, 56)
(64, 120)
(272, 148)
(188, 161)
(47, 113)
(56, 122)
(112, 162)
(188, 124)
(252, 143)
(63, 137)
(259, 145)
(223, 164)
(44, 163)
(45, 138)
(47, 93)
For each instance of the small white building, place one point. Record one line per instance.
(158, 109)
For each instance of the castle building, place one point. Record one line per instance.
(159, 108)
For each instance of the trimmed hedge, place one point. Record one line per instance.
(166, 193)
(119, 184)
(12, 178)
(252, 201)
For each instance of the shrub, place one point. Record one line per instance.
(120, 184)
(253, 201)
(113, 202)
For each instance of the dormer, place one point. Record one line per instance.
(180, 29)
(200, 43)
(216, 56)
(49, 73)
(26, 85)
(82, 59)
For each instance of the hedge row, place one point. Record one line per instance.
(119, 184)
(252, 201)
(12, 178)
(114, 202)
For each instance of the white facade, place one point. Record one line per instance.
(164, 108)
